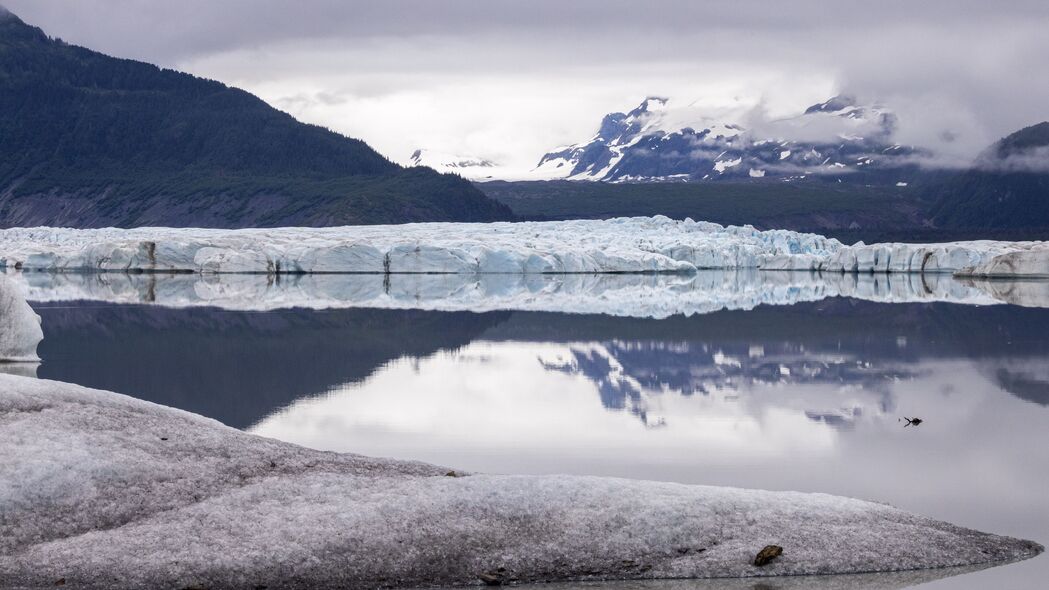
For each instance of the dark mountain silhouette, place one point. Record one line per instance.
(91, 140)
(1007, 187)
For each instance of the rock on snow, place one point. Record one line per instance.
(20, 331)
(639, 244)
(103, 490)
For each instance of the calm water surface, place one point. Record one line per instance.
(803, 397)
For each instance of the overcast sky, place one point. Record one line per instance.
(508, 80)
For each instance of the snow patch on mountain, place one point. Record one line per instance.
(662, 140)
(471, 167)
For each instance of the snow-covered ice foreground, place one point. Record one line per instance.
(633, 295)
(102, 490)
(20, 331)
(639, 244)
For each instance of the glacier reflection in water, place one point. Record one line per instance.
(633, 295)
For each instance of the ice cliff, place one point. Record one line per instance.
(1030, 260)
(640, 244)
(99, 490)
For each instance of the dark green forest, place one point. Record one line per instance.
(88, 140)
(1007, 187)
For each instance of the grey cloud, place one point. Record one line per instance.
(169, 31)
(965, 69)
(1030, 160)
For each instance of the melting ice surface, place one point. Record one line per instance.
(803, 395)
(626, 244)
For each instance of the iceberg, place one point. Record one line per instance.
(102, 490)
(20, 331)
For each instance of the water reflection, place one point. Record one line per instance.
(802, 397)
(501, 399)
(1027, 379)
(630, 295)
(239, 367)
(715, 395)
(232, 366)
(19, 369)
(628, 374)
(885, 581)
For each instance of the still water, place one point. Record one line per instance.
(808, 396)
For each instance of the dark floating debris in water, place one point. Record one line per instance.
(767, 554)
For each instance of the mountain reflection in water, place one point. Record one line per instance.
(627, 373)
(239, 367)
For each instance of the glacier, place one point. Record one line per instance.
(1027, 259)
(622, 245)
(100, 490)
(20, 331)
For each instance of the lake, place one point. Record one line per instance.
(806, 390)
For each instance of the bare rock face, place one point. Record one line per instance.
(20, 331)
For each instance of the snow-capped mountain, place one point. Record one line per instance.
(661, 141)
(470, 167)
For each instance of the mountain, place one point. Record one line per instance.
(472, 167)
(90, 140)
(660, 141)
(1007, 186)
